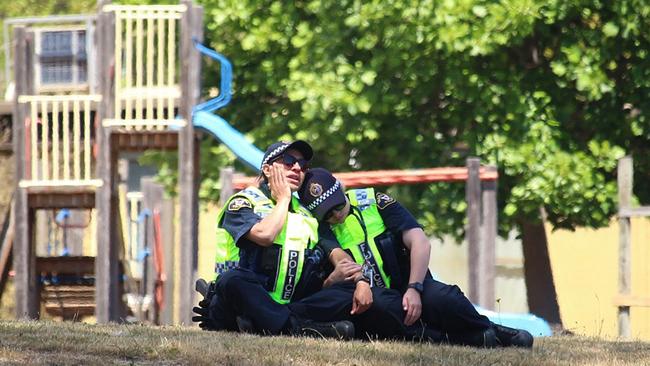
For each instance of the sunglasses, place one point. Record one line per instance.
(289, 160)
(337, 208)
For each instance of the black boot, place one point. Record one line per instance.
(508, 337)
(476, 338)
(343, 329)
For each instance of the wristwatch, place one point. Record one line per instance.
(367, 274)
(417, 286)
(363, 278)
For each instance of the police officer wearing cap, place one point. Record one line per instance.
(379, 233)
(267, 260)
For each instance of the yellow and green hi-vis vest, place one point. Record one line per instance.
(300, 232)
(350, 234)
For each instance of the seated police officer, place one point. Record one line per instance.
(380, 233)
(268, 281)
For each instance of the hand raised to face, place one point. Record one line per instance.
(280, 188)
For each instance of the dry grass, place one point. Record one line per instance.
(47, 343)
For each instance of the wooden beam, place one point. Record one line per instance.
(622, 300)
(625, 184)
(81, 265)
(390, 177)
(145, 140)
(82, 200)
(107, 274)
(27, 290)
(634, 212)
(191, 28)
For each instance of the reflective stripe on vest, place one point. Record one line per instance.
(351, 237)
(299, 232)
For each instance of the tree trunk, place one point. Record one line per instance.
(542, 298)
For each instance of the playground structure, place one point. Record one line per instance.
(66, 146)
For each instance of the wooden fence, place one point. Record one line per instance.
(625, 299)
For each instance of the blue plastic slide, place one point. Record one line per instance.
(233, 139)
(203, 118)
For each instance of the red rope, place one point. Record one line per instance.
(390, 177)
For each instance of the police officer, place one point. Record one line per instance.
(380, 233)
(266, 256)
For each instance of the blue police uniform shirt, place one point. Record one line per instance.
(395, 216)
(238, 219)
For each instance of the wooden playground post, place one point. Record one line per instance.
(191, 28)
(27, 301)
(481, 235)
(107, 281)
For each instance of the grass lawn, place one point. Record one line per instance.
(68, 343)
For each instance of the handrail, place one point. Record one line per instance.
(225, 94)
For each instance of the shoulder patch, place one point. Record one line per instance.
(383, 200)
(237, 203)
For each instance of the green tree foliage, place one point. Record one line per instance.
(552, 92)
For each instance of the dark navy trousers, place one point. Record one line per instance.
(445, 308)
(240, 293)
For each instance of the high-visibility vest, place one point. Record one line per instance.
(300, 232)
(359, 243)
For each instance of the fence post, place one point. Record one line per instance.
(625, 184)
(473, 196)
(489, 226)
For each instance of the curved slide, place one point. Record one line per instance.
(204, 119)
(229, 136)
(249, 154)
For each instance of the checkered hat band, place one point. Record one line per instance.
(275, 153)
(324, 196)
(220, 268)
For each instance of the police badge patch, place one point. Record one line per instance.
(237, 203)
(315, 189)
(384, 200)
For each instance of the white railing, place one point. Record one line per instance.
(146, 83)
(58, 140)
